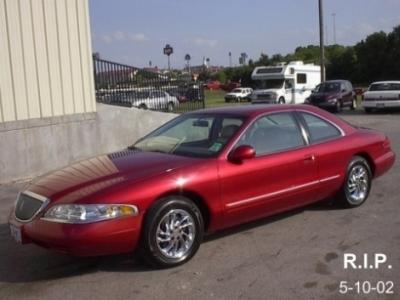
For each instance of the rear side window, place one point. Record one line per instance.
(319, 129)
(301, 78)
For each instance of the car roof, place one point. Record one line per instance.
(383, 82)
(255, 109)
(335, 80)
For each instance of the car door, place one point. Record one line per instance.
(283, 174)
(327, 142)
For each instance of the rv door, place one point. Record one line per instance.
(289, 91)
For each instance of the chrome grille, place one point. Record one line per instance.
(28, 205)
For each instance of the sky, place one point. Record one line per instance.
(135, 31)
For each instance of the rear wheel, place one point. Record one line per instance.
(143, 106)
(338, 106)
(357, 184)
(172, 233)
(368, 110)
(170, 106)
(353, 104)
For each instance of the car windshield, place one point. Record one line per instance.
(194, 135)
(270, 84)
(236, 91)
(329, 87)
(385, 87)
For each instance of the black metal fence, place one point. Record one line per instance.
(120, 84)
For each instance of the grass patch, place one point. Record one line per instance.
(215, 98)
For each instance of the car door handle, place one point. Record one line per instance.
(309, 158)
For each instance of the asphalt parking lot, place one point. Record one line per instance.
(297, 255)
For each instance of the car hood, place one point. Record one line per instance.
(324, 96)
(98, 173)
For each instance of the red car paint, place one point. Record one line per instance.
(231, 193)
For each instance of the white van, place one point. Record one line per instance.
(291, 83)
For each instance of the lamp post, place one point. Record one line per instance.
(230, 59)
(334, 28)
(168, 50)
(321, 40)
(187, 58)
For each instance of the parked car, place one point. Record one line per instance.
(154, 99)
(334, 94)
(382, 94)
(201, 172)
(239, 94)
(230, 86)
(213, 85)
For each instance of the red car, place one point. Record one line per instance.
(201, 172)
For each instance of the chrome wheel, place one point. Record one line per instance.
(175, 233)
(357, 184)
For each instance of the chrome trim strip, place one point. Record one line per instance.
(268, 195)
(290, 189)
(329, 178)
(41, 198)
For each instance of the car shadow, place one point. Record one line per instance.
(30, 263)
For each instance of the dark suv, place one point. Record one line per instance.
(333, 94)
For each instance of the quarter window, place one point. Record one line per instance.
(273, 133)
(319, 129)
(301, 78)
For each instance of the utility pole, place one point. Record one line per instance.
(321, 40)
(230, 59)
(334, 28)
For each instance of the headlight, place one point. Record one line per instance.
(88, 213)
(333, 100)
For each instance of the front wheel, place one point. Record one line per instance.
(172, 233)
(281, 100)
(353, 104)
(357, 184)
(170, 106)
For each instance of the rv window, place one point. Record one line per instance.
(301, 78)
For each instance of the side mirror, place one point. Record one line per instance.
(241, 153)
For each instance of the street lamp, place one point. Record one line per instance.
(230, 59)
(168, 50)
(187, 58)
(321, 40)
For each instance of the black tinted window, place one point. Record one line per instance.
(319, 129)
(272, 133)
(301, 78)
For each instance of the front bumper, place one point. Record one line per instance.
(381, 103)
(325, 104)
(92, 239)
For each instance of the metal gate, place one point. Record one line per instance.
(120, 84)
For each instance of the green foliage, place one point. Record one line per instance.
(375, 58)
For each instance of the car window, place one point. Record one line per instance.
(319, 129)
(273, 133)
(192, 135)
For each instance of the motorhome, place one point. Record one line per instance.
(285, 83)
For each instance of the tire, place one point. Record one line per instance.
(368, 110)
(281, 100)
(338, 107)
(357, 184)
(165, 248)
(353, 105)
(170, 106)
(142, 106)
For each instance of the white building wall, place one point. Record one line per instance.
(45, 59)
